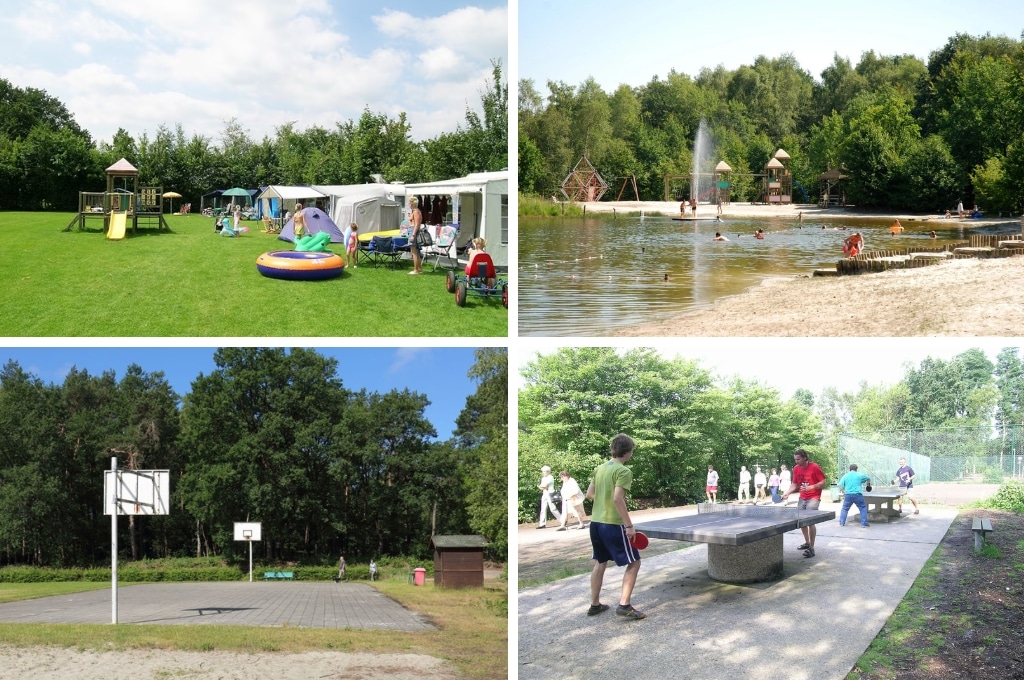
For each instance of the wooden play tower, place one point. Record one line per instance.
(584, 183)
(144, 205)
(778, 181)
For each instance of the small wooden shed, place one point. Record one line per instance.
(458, 561)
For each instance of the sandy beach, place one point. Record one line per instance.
(956, 298)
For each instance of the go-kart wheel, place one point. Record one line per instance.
(460, 294)
(450, 281)
(504, 295)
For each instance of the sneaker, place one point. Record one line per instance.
(627, 611)
(864, 526)
(543, 526)
(560, 529)
(842, 524)
(596, 609)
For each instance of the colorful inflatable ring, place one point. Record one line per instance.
(300, 266)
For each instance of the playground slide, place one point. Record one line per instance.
(117, 224)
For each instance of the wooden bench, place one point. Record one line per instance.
(980, 526)
(276, 575)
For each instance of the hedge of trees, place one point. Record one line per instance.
(271, 436)
(910, 135)
(683, 418)
(46, 158)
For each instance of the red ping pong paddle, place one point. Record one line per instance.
(640, 541)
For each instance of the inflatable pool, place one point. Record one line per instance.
(300, 266)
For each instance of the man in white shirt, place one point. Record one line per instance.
(744, 491)
(547, 488)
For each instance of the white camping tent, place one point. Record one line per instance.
(479, 205)
(371, 213)
(374, 207)
(288, 196)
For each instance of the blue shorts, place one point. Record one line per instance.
(610, 543)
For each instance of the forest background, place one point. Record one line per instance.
(683, 418)
(909, 135)
(271, 436)
(46, 158)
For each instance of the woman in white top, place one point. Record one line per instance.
(572, 501)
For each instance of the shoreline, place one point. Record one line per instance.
(955, 298)
(789, 211)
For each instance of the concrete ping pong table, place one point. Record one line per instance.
(744, 542)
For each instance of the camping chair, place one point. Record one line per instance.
(445, 245)
(386, 251)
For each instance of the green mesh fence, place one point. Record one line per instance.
(956, 454)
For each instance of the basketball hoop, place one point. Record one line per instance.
(247, 534)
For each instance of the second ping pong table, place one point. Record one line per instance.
(744, 542)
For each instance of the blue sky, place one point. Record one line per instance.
(138, 65)
(629, 43)
(437, 372)
(791, 363)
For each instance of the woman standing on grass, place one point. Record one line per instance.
(416, 218)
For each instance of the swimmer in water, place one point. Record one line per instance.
(719, 237)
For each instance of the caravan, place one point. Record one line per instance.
(479, 206)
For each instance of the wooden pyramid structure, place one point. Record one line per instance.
(584, 183)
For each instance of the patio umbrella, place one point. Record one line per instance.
(238, 191)
(171, 195)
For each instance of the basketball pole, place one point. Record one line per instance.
(113, 544)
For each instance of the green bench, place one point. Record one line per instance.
(980, 526)
(277, 575)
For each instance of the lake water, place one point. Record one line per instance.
(596, 275)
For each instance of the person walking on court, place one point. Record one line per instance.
(809, 480)
(785, 479)
(852, 486)
(905, 474)
(341, 569)
(744, 490)
(711, 489)
(572, 501)
(547, 489)
(760, 482)
(611, 529)
(773, 485)
(373, 570)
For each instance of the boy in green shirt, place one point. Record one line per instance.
(611, 529)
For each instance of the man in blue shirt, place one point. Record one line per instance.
(905, 474)
(851, 485)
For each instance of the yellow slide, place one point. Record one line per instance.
(117, 223)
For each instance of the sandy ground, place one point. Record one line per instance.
(956, 298)
(56, 663)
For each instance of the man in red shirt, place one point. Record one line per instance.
(810, 480)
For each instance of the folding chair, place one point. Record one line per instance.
(385, 251)
(445, 245)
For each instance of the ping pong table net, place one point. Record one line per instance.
(745, 510)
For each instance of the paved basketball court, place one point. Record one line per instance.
(298, 604)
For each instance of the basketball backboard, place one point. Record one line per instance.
(136, 492)
(247, 531)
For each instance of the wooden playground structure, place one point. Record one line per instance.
(144, 206)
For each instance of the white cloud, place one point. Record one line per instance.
(82, 48)
(404, 356)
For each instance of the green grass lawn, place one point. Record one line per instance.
(193, 282)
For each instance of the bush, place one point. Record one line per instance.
(993, 475)
(1009, 497)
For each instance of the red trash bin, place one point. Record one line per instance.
(420, 576)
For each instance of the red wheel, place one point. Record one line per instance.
(504, 296)
(460, 294)
(450, 282)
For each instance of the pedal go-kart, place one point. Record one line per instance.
(479, 279)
